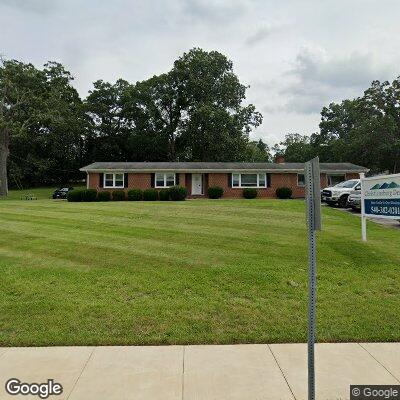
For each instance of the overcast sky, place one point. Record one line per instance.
(297, 56)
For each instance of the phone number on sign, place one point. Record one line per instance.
(385, 210)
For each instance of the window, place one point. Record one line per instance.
(114, 180)
(301, 180)
(249, 180)
(335, 179)
(165, 179)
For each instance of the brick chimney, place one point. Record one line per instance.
(279, 159)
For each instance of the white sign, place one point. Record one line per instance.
(380, 198)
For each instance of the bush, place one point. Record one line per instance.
(150, 195)
(163, 195)
(249, 193)
(177, 193)
(118, 195)
(135, 195)
(104, 196)
(284, 193)
(215, 192)
(75, 195)
(89, 195)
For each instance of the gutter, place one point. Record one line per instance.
(199, 171)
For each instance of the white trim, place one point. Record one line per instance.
(165, 179)
(114, 180)
(87, 180)
(304, 176)
(222, 171)
(250, 173)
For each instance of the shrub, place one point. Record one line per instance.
(118, 195)
(135, 195)
(284, 193)
(75, 195)
(150, 195)
(89, 195)
(104, 196)
(177, 193)
(163, 195)
(215, 192)
(249, 193)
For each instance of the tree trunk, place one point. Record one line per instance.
(4, 151)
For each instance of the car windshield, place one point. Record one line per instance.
(347, 184)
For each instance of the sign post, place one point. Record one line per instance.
(313, 199)
(380, 198)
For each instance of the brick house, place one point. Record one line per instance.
(197, 177)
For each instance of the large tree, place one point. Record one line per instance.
(193, 112)
(41, 125)
(364, 130)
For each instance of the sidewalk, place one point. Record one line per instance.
(234, 372)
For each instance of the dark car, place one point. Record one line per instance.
(62, 193)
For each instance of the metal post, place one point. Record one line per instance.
(312, 176)
(363, 218)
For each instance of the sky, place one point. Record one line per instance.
(296, 56)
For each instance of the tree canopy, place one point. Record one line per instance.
(194, 112)
(364, 130)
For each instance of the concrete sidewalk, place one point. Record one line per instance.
(277, 371)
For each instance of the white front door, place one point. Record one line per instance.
(197, 184)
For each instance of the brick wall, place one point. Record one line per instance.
(143, 181)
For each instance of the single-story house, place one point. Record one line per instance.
(197, 177)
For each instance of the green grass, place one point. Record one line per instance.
(198, 271)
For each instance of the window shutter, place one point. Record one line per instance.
(177, 179)
(153, 177)
(101, 180)
(268, 180)
(125, 180)
(229, 180)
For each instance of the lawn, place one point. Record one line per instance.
(201, 271)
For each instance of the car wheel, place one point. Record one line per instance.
(343, 201)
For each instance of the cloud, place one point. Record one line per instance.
(35, 6)
(317, 78)
(215, 10)
(259, 35)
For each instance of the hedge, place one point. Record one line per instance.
(104, 196)
(118, 195)
(135, 195)
(177, 193)
(215, 192)
(284, 193)
(249, 193)
(150, 195)
(75, 195)
(163, 195)
(89, 195)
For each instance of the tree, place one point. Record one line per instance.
(295, 148)
(42, 125)
(193, 112)
(257, 151)
(21, 90)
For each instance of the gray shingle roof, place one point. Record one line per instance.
(217, 166)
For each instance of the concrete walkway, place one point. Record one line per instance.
(277, 371)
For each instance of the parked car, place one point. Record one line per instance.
(354, 199)
(338, 194)
(62, 193)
